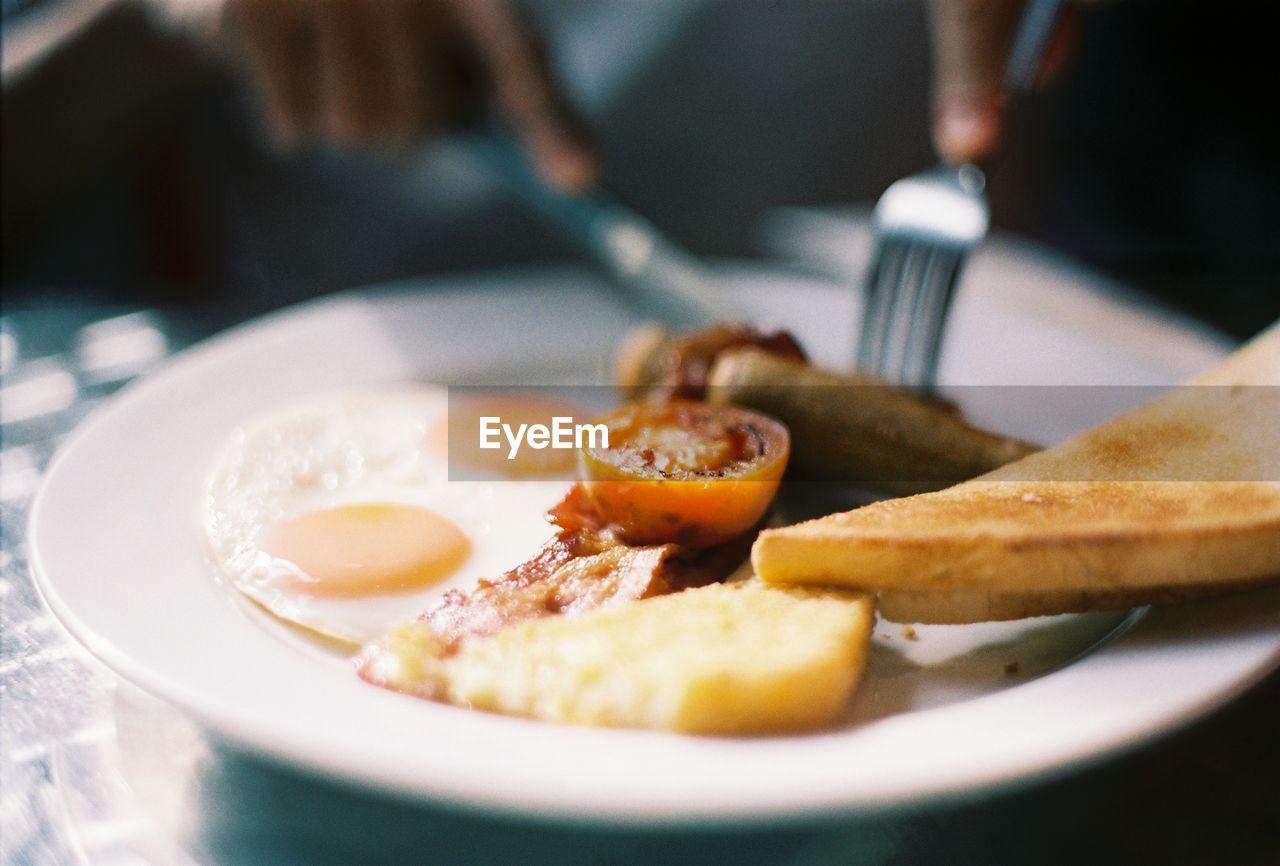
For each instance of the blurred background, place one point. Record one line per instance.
(136, 168)
(145, 205)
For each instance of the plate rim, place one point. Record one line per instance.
(224, 723)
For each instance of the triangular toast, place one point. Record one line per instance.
(1179, 498)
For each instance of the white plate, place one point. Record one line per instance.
(116, 548)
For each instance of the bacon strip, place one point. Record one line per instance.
(583, 568)
(563, 577)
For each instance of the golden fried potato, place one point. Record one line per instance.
(721, 659)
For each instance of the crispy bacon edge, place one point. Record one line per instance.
(584, 567)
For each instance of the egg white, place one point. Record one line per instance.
(359, 447)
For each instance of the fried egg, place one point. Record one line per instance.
(337, 514)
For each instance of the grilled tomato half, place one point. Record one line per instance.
(685, 472)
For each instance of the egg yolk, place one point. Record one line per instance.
(355, 550)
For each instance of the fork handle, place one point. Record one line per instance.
(1029, 43)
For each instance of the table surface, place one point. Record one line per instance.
(94, 771)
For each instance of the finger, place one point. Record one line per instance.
(404, 33)
(421, 55)
(276, 41)
(971, 40)
(356, 99)
(526, 93)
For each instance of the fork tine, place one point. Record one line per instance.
(933, 296)
(910, 293)
(897, 281)
(875, 296)
(880, 289)
(897, 310)
(934, 322)
(921, 291)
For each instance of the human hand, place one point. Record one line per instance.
(971, 43)
(358, 72)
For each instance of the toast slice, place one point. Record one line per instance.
(1178, 498)
(721, 659)
(958, 606)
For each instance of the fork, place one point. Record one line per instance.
(925, 226)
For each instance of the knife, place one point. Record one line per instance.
(650, 272)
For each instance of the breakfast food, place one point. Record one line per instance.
(844, 426)
(685, 472)
(336, 514)
(851, 428)
(654, 363)
(722, 659)
(672, 504)
(960, 606)
(584, 567)
(1177, 498)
